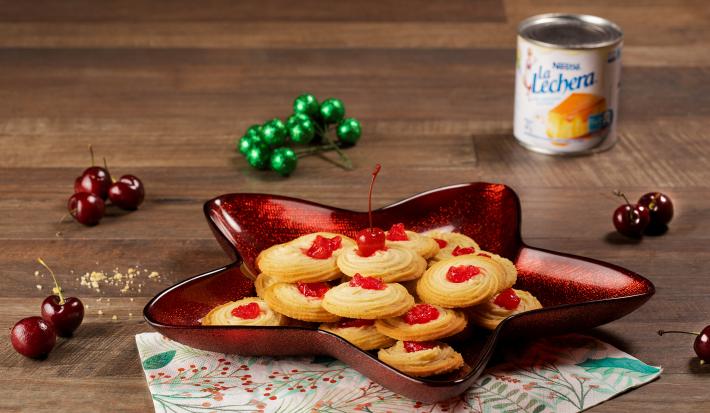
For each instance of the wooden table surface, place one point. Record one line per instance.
(163, 88)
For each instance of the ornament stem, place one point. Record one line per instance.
(56, 283)
(346, 162)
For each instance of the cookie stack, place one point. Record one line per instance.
(401, 300)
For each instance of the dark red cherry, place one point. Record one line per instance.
(369, 241)
(64, 316)
(127, 193)
(33, 337)
(701, 345)
(660, 207)
(86, 208)
(94, 180)
(630, 220)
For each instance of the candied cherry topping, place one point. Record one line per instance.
(507, 299)
(367, 283)
(316, 290)
(397, 233)
(442, 243)
(412, 346)
(247, 311)
(355, 322)
(462, 273)
(481, 254)
(322, 247)
(421, 314)
(462, 251)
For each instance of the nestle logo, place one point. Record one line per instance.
(565, 66)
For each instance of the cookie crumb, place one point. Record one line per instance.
(113, 317)
(100, 312)
(39, 287)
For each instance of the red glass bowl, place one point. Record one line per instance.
(577, 293)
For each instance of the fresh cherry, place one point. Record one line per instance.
(127, 192)
(33, 337)
(630, 220)
(86, 208)
(94, 180)
(65, 315)
(701, 344)
(372, 239)
(660, 207)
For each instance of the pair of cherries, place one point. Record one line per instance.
(91, 190)
(36, 336)
(650, 215)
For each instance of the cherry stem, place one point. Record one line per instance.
(91, 151)
(692, 333)
(621, 194)
(369, 196)
(56, 283)
(652, 204)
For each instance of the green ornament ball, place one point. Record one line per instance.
(258, 156)
(349, 131)
(274, 132)
(244, 144)
(306, 104)
(297, 119)
(332, 110)
(302, 133)
(253, 131)
(283, 161)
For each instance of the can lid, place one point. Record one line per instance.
(570, 31)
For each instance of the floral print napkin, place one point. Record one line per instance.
(563, 374)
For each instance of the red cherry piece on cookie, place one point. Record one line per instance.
(482, 254)
(442, 243)
(315, 290)
(462, 273)
(421, 314)
(397, 233)
(322, 248)
(355, 322)
(507, 299)
(367, 283)
(247, 311)
(462, 251)
(412, 346)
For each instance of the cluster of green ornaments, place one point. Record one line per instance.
(272, 144)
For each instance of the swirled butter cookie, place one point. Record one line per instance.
(462, 281)
(423, 322)
(250, 311)
(368, 298)
(451, 244)
(422, 244)
(392, 264)
(421, 358)
(262, 282)
(502, 306)
(362, 333)
(309, 258)
(302, 301)
(508, 277)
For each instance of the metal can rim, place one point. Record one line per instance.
(587, 18)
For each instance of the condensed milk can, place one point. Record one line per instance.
(567, 75)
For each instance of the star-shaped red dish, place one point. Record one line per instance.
(577, 293)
